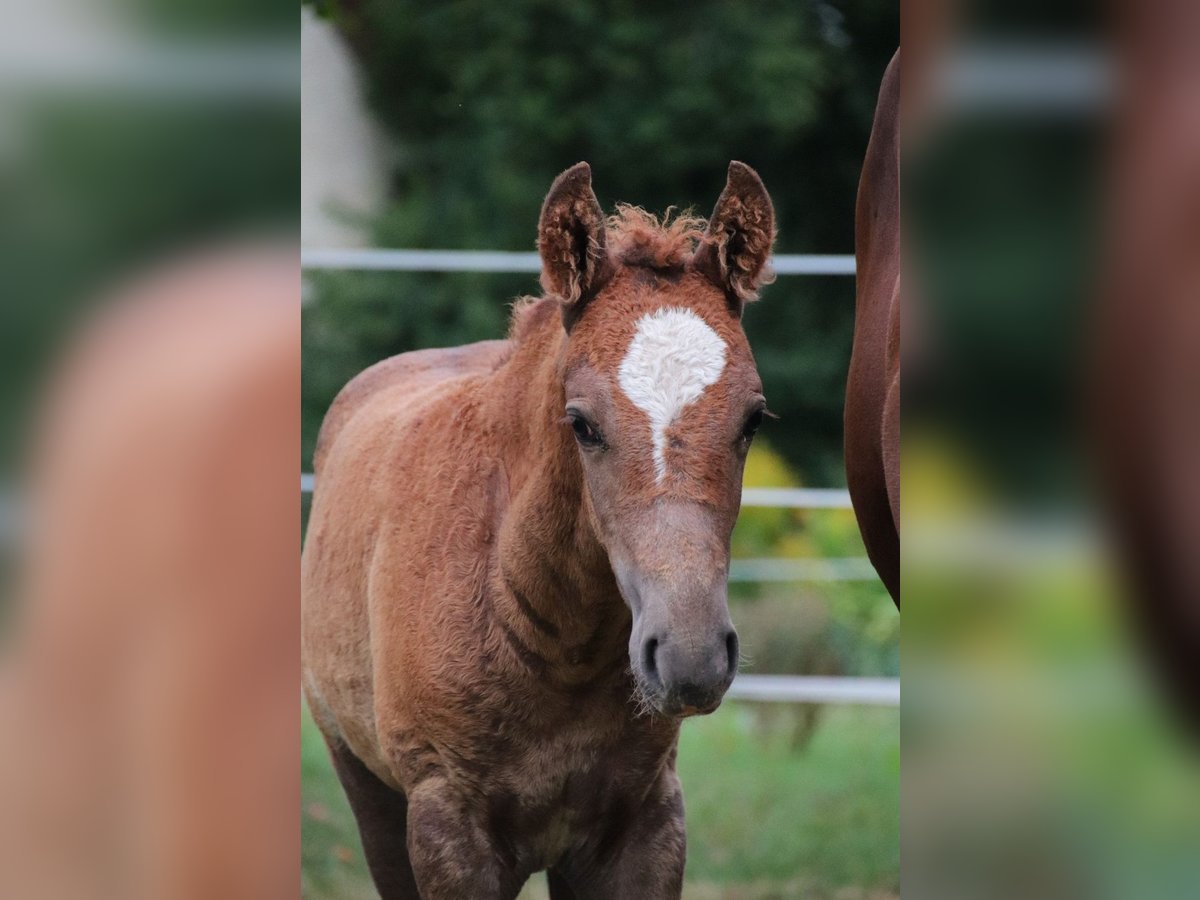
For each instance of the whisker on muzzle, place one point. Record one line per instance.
(744, 660)
(643, 706)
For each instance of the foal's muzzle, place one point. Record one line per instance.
(682, 646)
(684, 676)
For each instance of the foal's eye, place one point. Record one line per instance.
(584, 432)
(752, 425)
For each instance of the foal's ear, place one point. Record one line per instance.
(735, 250)
(571, 241)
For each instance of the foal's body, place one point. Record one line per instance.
(514, 572)
(526, 707)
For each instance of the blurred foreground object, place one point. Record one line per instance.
(148, 692)
(1039, 760)
(1146, 396)
(872, 416)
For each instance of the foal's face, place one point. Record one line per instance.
(663, 398)
(661, 393)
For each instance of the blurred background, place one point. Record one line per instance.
(1050, 639)
(149, 354)
(441, 128)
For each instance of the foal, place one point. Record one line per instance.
(515, 571)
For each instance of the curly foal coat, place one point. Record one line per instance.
(515, 566)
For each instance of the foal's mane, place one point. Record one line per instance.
(633, 237)
(639, 238)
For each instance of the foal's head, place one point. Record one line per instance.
(663, 397)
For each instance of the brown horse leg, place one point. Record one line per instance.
(644, 856)
(559, 888)
(453, 854)
(382, 816)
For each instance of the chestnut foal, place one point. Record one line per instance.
(514, 579)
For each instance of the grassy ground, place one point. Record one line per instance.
(765, 821)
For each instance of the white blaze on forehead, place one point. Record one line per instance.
(672, 358)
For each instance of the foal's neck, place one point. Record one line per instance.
(559, 587)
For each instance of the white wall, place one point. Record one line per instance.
(344, 156)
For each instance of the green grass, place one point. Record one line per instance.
(331, 857)
(765, 821)
(827, 817)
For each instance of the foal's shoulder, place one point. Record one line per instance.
(413, 372)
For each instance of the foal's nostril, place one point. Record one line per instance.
(731, 653)
(649, 661)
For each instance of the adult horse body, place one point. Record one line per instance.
(514, 573)
(872, 415)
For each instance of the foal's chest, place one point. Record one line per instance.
(570, 789)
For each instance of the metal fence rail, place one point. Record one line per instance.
(815, 689)
(847, 568)
(782, 498)
(382, 260)
(853, 568)
(797, 498)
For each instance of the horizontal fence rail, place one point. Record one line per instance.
(1025, 78)
(775, 570)
(82, 59)
(849, 568)
(815, 689)
(381, 260)
(797, 498)
(782, 498)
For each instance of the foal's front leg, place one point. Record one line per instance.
(452, 855)
(647, 862)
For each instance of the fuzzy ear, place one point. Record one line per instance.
(571, 241)
(735, 250)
